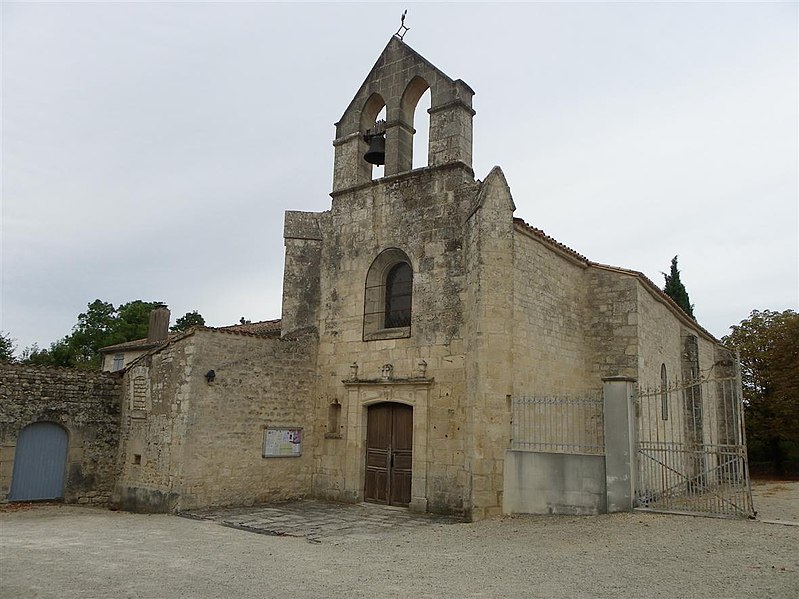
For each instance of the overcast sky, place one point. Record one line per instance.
(149, 150)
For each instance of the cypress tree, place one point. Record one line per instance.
(676, 290)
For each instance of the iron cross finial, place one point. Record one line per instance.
(402, 30)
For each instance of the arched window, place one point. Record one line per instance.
(388, 296)
(398, 296)
(664, 393)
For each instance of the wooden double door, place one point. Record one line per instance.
(389, 454)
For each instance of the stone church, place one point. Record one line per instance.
(414, 311)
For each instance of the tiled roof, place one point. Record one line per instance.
(138, 344)
(264, 328)
(550, 240)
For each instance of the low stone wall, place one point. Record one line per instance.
(554, 483)
(86, 404)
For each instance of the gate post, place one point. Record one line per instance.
(620, 450)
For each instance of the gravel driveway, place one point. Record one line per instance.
(70, 551)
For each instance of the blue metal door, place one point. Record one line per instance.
(39, 463)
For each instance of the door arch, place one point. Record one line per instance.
(39, 463)
(389, 453)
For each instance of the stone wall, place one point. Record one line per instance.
(188, 443)
(259, 383)
(613, 322)
(551, 353)
(301, 273)
(660, 341)
(85, 403)
(667, 338)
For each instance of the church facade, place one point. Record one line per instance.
(415, 310)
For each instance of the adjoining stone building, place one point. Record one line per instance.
(195, 415)
(414, 310)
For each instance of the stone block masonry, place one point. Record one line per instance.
(85, 404)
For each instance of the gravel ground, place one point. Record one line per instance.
(70, 551)
(776, 500)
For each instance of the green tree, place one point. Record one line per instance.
(676, 290)
(92, 331)
(188, 320)
(132, 321)
(59, 354)
(101, 325)
(7, 347)
(768, 343)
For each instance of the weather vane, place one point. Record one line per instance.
(402, 30)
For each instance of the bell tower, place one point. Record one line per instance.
(397, 81)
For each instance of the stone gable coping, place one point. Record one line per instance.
(380, 63)
(495, 174)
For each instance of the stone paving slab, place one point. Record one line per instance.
(319, 521)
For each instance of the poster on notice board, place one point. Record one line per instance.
(282, 442)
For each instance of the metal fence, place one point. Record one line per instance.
(691, 449)
(557, 424)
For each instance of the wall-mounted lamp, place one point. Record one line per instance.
(210, 376)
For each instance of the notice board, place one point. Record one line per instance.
(282, 442)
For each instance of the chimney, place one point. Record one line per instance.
(159, 324)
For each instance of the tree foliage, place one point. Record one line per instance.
(768, 343)
(101, 325)
(7, 347)
(188, 320)
(676, 290)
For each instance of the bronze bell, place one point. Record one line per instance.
(376, 154)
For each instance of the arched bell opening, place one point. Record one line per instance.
(372, 140)
(421, 138)
(413, 146)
